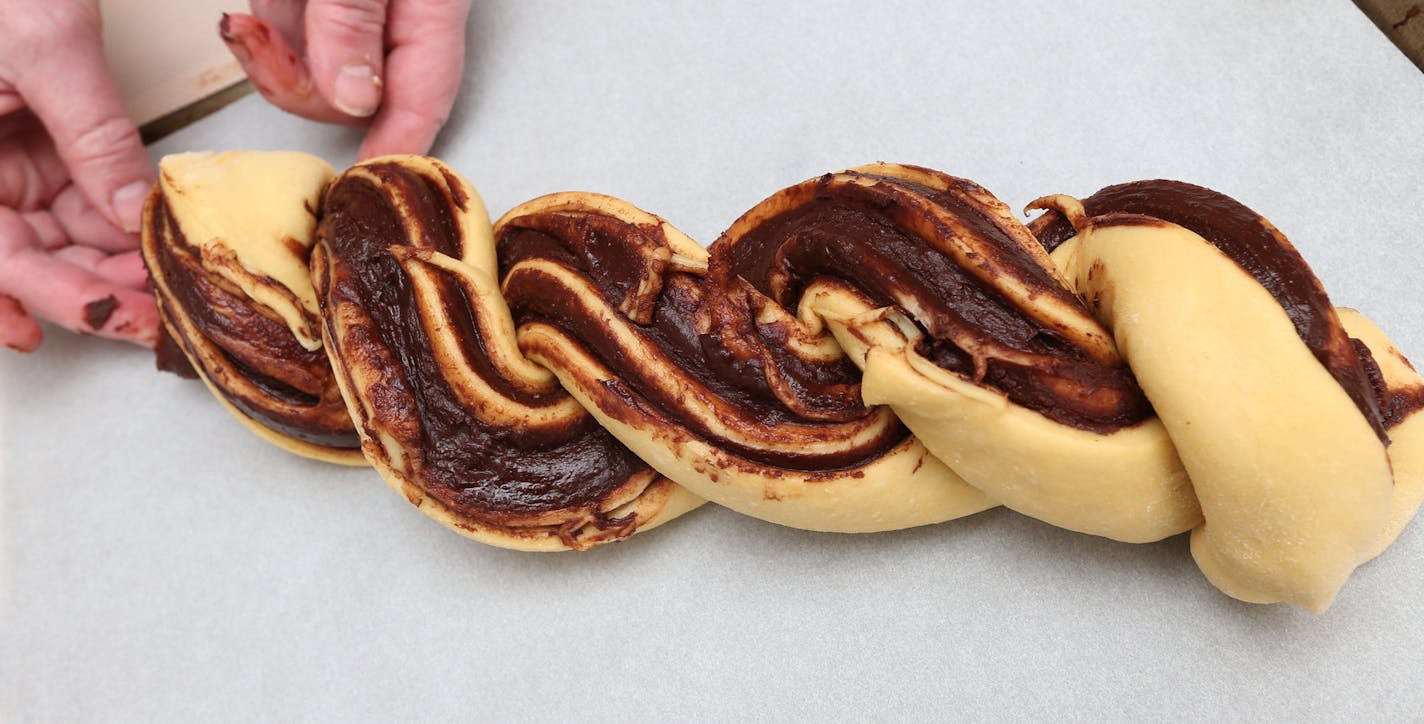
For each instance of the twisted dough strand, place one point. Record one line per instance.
(233, 293)
(874, 349)
(450, 412)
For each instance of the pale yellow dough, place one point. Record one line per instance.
(1128, 485)
(1294, 485)
(252, 214)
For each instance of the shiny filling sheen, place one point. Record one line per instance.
(281, 385)
(472, 467)
(1263, 252)
(857, 234)
(600, 249)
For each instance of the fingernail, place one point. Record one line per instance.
(358, 91)
(128, 202)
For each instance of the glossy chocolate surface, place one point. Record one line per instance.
(860, 233)
(473, 467)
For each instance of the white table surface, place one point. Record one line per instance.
(159, 563)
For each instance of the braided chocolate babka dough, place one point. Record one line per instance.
(1172, 366)
(226, 239)
(981, 345)
(703, 369)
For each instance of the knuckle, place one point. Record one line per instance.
(427, 18)
(107, 141)
(352, 18)
(23, 186)
(36, 33)
(16, 184)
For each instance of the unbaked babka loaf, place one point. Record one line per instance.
(878, 348)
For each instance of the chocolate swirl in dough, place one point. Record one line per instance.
(1258, 248)
(623, 308)
(873, 349)
(226, 237)
(449, 412)
(734, 382)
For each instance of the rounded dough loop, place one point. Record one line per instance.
(1294, 485)
(444, 265)
(1127, 485)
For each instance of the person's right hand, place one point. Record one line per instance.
(73, 177)
(393, 64)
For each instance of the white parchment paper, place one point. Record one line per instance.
(160, 563)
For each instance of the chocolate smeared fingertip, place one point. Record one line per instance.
(97, 312)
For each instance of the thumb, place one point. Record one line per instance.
(346, 52)
(71, 92)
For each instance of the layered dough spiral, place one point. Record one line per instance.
(878, 348)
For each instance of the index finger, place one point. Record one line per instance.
(66, 82)
(423, 72)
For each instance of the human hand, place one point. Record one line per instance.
(73, 177)
(395, 64)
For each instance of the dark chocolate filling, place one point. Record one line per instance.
(169, 357)
(598, 248)
(97, 312)
(471, 466)
(259, 348)
(859, 234)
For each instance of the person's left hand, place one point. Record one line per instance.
(63, 260)
(73, 176)
(393, 64)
